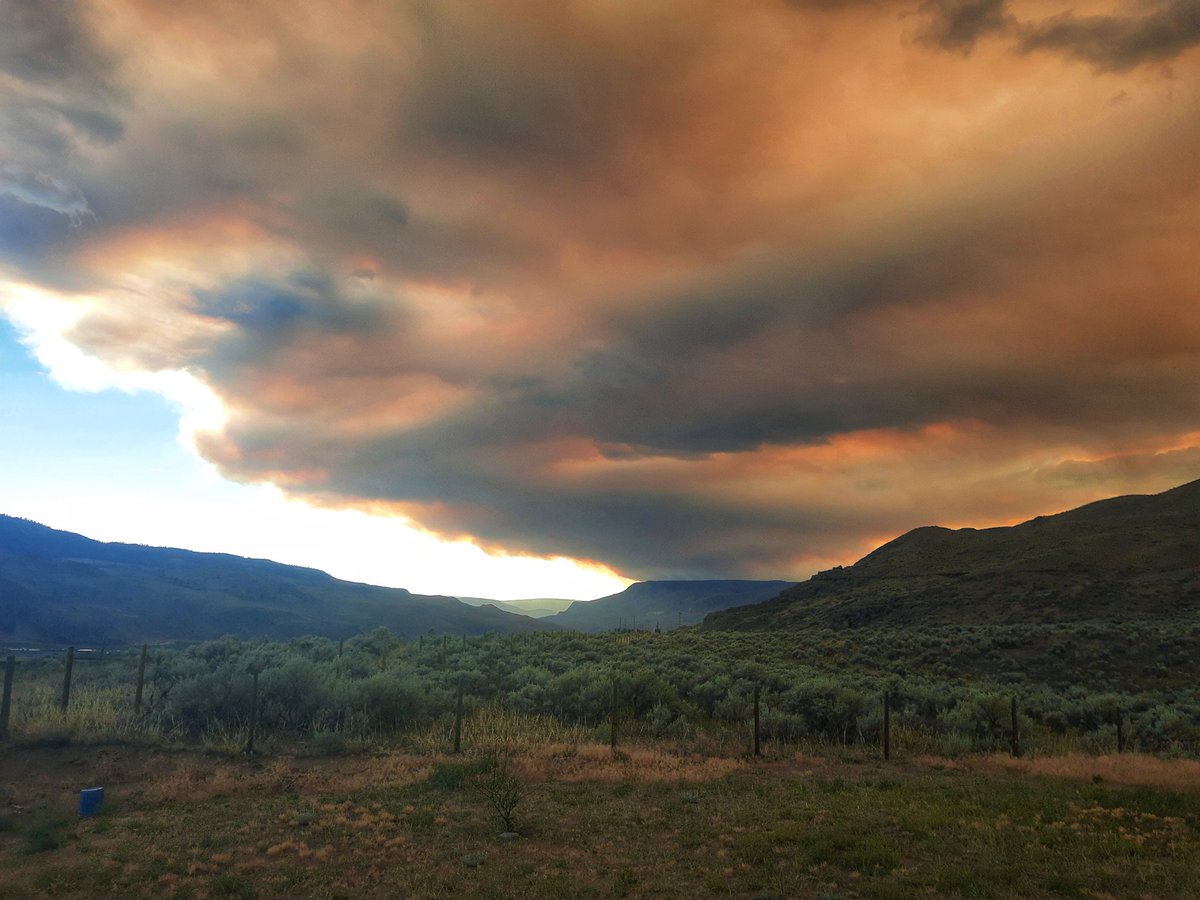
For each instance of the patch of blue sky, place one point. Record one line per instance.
(57, 441)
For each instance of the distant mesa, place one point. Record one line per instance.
(664, 604)
(1131, 557)
(538, 607)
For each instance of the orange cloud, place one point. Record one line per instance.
(738, 289)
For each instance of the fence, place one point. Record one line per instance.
(619, 710)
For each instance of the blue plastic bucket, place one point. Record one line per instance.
(90, 801)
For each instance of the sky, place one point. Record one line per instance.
(517, 298)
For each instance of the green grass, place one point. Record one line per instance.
(788, 828)
(44, 837)
(454, 775)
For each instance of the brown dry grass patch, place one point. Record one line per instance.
(641, 821)
(1133, 769)
(598, 762)
(195, 779)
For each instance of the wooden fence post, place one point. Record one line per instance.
(887, 725)
(613, 732)
(458, 713)
(253, 714)
(757, 748)
(1120, 733)
(6, 701)
(66, 691)
(137, 697)
(1016, 731)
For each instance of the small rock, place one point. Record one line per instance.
(473, 860)
(508, 835)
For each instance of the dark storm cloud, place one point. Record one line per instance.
(685, 392)
(1107, 42)
(1180, 466)
(59, 95)
(1117, 43)
(269, 311)
(494, 487)
(693, 292)
(530, 115)
(64, 79)
(49, 41)
(958, 24)
(28, 231)
(40, 216)
(535, 95)
(42, 190)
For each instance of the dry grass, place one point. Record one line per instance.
(600, 763)
(495, 728)
(642, 821)
(195, 779)
(1134, 769)
(93, 714)
(191, 779)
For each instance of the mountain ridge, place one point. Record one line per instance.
(58, 586)
(1130, 556)
(664, 604)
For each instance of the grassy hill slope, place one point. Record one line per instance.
(59, 587)
(1134, 557)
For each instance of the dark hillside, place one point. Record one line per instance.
(1135, 557)
(58, 587)
(665, 604)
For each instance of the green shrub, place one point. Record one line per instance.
(451, 776)
(43, 838)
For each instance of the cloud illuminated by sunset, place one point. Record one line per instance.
(688, 289)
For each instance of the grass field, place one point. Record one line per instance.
(594, 823)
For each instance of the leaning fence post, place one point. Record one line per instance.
(66, 691)
(458, 713)
(137, 697)
(887, 725)
(1120, 733)
(1016, 733)
(6, 702)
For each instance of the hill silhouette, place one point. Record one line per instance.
(1131, 557)
(664, 604)
(534, 607)
(62, 588)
